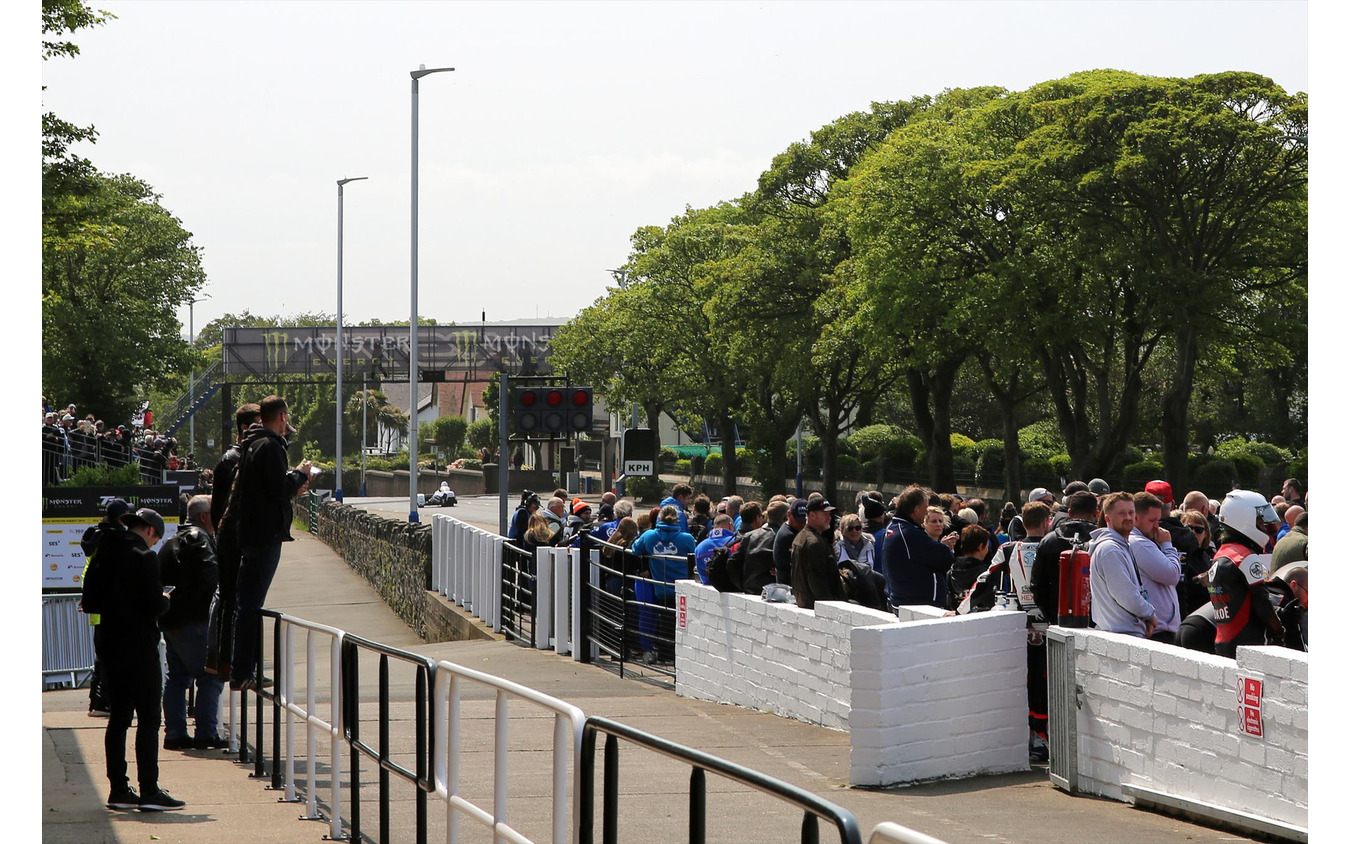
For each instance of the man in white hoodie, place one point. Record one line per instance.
(1159, 564)
(1119, 601)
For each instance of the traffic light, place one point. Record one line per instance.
(580, 409)
(525, 408)
(552, 410)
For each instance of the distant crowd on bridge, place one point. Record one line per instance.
(70, 443)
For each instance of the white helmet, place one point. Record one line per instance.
(1250, 514)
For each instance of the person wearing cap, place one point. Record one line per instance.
(1017, 530)
(783, 539)
(916, 565)
(1183, 538)
(112, 520)
(520, 520)
(220, 626)
(815, 568)
(188, 562)
(578, 522)
(135, 601)
(262, 493)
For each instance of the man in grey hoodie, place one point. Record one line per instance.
(1119, 601)
(1159, 563)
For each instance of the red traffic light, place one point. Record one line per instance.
(554, 398)
(527, 398)
(580, 398)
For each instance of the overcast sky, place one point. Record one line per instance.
(564, 127)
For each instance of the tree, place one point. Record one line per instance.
(110, 291)
(449, 434)
(1199, 186)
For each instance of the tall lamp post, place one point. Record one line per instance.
(192, 377)
(340, 351)
(416, 75)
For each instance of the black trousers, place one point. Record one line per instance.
(134, 685)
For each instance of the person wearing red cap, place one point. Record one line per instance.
(578, 522)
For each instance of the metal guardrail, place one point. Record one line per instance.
(67, 640)
(519, 593)
(568, 721)
(812, 806)
(425, 729)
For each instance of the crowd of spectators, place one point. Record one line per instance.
(71, 442)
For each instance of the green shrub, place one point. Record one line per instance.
(1131, 454)
(964, 464)
(1041, 439)
(712, 464)
(1270, 455)
(846, 466)
(810, 453)
(472, 463)
(1037, 471)
(1062, 464)
(964, 446)
(1248, 468)
(888, 443)
(1215, 477)
(482, 434)
(1298, 467)
(101, 475)
(683, 467)
(643, 488)
(666, 459)
(696, 464)
(1136, 475)
(989, 462)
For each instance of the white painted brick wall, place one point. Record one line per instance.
(1166, 719)
(922, 696)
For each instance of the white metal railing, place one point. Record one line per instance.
(568, 721)
(307, 711)
(67, 639)
(894, 833)
(466, 567)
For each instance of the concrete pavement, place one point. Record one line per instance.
(226, 804)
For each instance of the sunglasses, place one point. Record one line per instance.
(855, 527)
(1198, 529)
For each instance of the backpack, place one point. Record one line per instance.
(718, 568)
(94, 585)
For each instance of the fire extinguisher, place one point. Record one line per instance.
(1075, 592)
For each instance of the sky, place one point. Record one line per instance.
(563, 129)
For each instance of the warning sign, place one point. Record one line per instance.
(683, 614)
(1249, 706)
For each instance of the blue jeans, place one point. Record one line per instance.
(257, 567)
(186, 651)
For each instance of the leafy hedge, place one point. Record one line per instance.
(102, 475)
(645, 489)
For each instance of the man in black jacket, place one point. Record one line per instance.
(261, 496)
(131, 653)
(1076, 529)
(188, 563)
(220, 627)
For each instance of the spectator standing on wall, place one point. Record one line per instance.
(815, 571)
(1159, 564)
(220, 627)
(1119, 603)
(1243, 612)
(263, 490)
(188, 562)
(916, 565)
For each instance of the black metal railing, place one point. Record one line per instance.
(812, 806)
(263, 692)
(424, 670)
(519, 594)
(630, 616)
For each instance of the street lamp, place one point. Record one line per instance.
(337, 491)
(192, 377)
(416, 75)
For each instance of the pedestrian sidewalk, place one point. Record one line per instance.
(224, 803)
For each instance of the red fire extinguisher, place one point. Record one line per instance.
(1075, 592)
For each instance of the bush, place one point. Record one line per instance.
(666, 459)
(643, 488)
(482, 434)
(1215, 477)
(1298, 468)
(1136, 475)
(1131, 454)
(1038, 471)
(471, 463)
(1041, 439)
(712, 464)
(1273, 456)
(1062, 464)
(888, 443)
(964, 446)
(846, 466)
(683, 467)
(101, 475)
(1248, 468)
(810, 453)
(989, 463)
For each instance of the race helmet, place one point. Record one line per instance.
(1250, 514)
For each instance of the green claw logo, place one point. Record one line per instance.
(274, 342)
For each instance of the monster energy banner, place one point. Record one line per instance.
(383, 351)
(68, 511)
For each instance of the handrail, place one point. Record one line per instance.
(307, 713)
(812, 805)
(893, 833)
(446, 754)
(425, 667)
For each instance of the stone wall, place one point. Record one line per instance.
(394, 556)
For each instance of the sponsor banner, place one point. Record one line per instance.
(383, 350)
(68, 512)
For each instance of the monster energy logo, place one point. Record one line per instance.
(274, 346)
